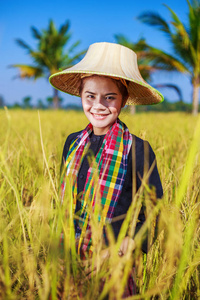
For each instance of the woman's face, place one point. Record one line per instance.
(102, 102)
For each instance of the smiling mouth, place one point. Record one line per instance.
(99, 116)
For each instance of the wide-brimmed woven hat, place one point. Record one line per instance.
(112, 60)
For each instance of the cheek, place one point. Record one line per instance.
(86, 106)
(116, 109)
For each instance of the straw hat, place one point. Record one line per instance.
(113, 60)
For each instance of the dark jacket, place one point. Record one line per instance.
(125, 197)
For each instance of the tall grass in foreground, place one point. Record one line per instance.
(33, 262)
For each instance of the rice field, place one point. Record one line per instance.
(33, 262)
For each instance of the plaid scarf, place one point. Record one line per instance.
(109, 166)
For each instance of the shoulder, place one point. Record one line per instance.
(140, 144)
(142, 151)
(68, 142)
(72, 137)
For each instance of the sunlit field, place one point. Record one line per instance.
(34, 264)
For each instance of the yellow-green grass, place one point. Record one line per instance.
(33, 263)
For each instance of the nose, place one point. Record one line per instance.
(99, 104)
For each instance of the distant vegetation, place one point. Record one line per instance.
(165, 106)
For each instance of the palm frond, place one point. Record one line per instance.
(141, 45)
(51, 29)
(122, 40)
(195, 3)
(173, 15)
(194, 25)
(162, 60)
(154, 19)
(70, 61)
(64, 28)
(179, 27)
(73, 46)
(22, 44)
(171, 86)
(27, 71)
(35, 33)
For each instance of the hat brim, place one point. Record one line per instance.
(140, 93)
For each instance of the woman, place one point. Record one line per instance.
(107, 79)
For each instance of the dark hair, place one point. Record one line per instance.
(122, 88)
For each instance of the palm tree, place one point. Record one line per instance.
(185, 42)
(27, 102)
(50, 55)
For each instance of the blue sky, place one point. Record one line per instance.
(91, 21)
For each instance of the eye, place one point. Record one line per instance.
(91, 97)
(110, 98)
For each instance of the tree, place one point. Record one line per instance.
(40, 104)
(50, 101)
(2, 102)
(27, 102)
(49, 56)
(185, 42)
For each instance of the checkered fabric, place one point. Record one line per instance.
(110, 165)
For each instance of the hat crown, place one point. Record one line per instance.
(109, 58)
